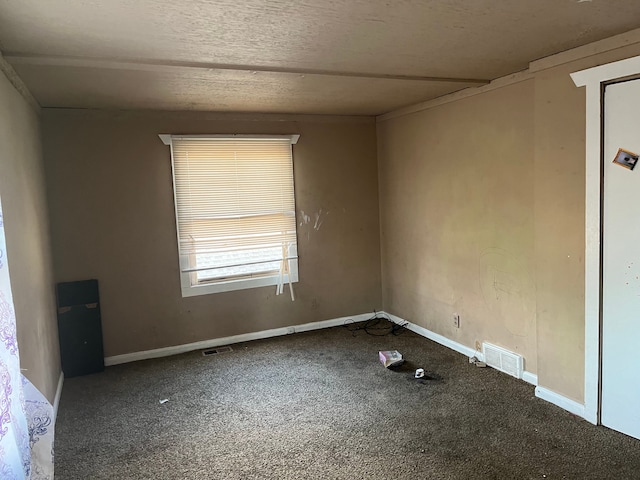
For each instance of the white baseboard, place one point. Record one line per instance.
(561, 401)
(528, 377)
(56, 400)
(436, 337)
(245, 337)
(531, 378)
(540, 392)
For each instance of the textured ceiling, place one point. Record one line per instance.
(331, 56)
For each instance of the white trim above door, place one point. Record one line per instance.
(594, 79)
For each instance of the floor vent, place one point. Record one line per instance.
(215, 351)
(503, 360)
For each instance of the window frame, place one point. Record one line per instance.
(190, 289)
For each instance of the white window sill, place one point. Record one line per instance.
(189, 290)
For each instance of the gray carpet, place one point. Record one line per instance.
(319, 405)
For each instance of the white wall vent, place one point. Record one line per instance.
(503, 360)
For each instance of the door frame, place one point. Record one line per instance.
(595, 80)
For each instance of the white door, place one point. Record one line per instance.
(620, 405)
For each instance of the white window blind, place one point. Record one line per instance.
(235, 210)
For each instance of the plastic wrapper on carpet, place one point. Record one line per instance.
(391, 358)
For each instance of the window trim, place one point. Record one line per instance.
(167, 137)
(191, 290)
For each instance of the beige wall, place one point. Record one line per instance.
(111, 201)
(26, 222)
(499, 241)
(456, 207)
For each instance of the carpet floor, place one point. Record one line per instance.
(319, 405)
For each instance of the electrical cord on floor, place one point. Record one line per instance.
(378, 326)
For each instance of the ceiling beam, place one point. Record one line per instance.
(157, 65)
(459, 95)
(16, 81)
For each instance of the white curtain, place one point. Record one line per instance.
(26, 417)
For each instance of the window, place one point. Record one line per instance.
(235, 211)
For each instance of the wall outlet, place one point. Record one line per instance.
(456, 320)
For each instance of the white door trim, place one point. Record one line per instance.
(593, 78)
